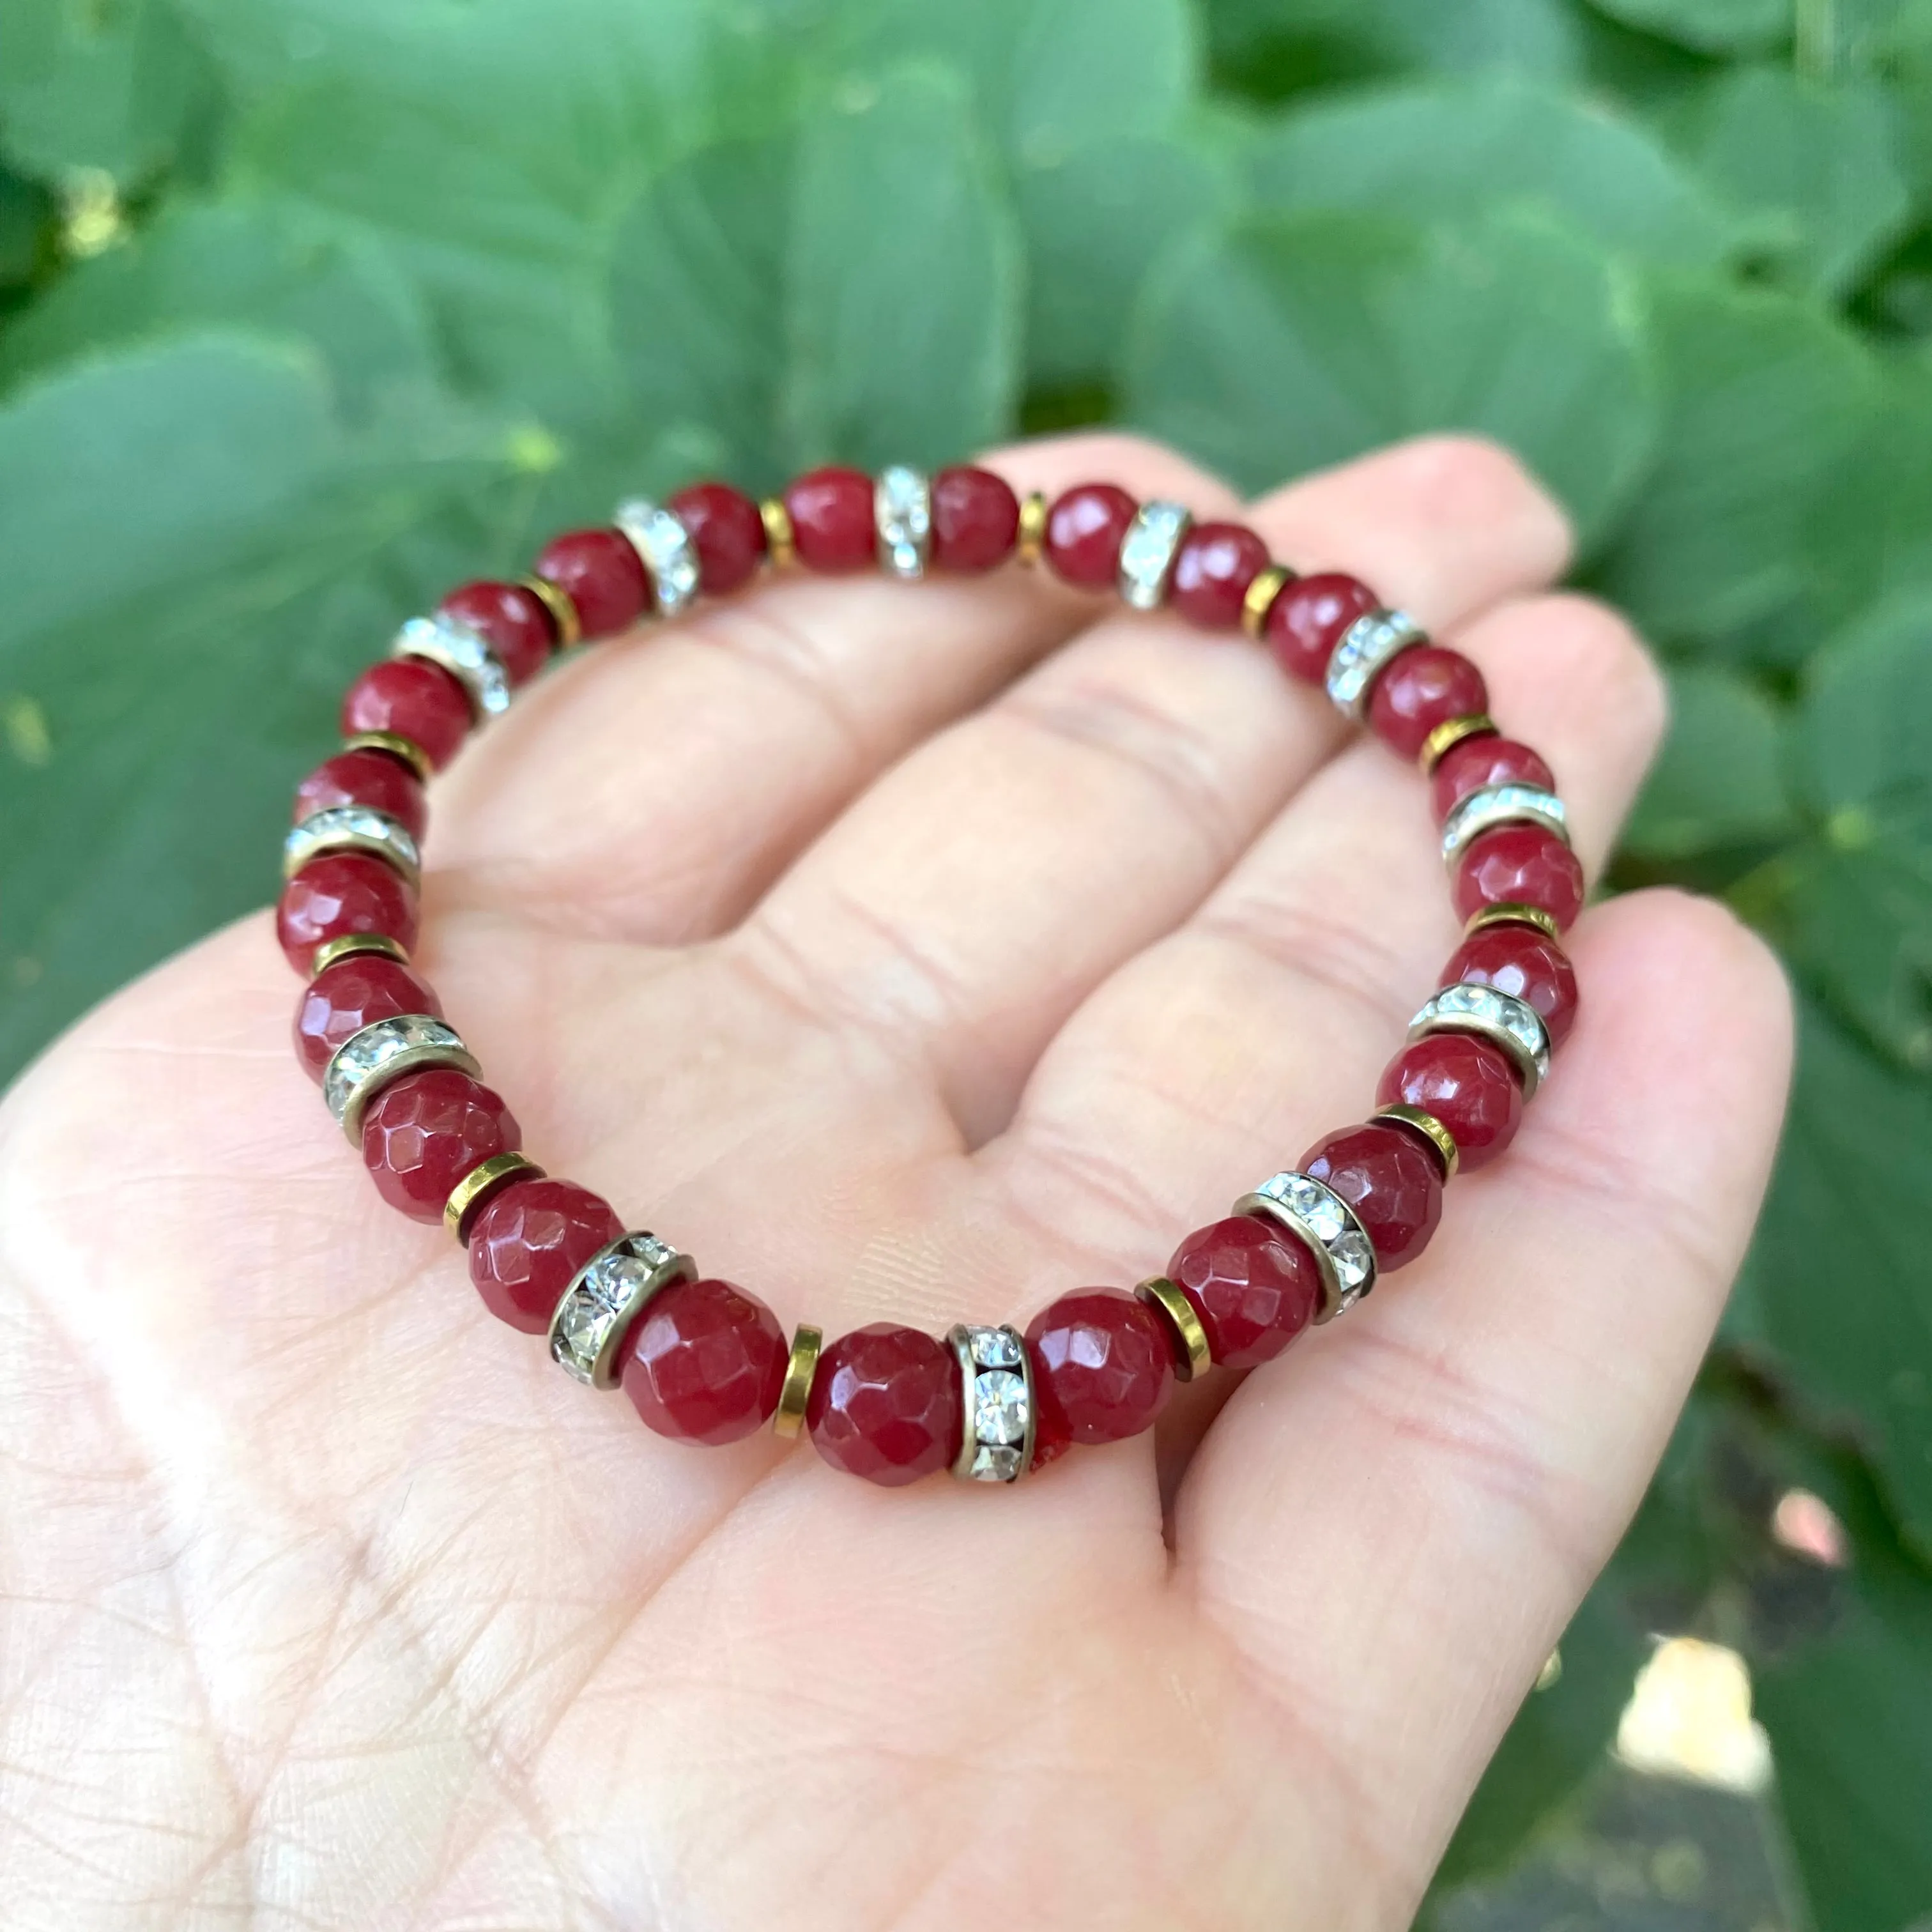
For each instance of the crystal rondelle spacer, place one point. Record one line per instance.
(352, 828)
(1514, 1024)
(1147, 553)
(1368, 644)
(1315, 1211)
(383, 1051)
(664, 548)
(902, 518)
(1484, 810)
(460, 651)
(996, 1387)
(609, 1293)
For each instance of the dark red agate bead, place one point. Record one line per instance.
(1519, 865)
(1470, 1085)
(1478, 763)
(1085, 528)
(1252, 1286)
(976, 519)
(704, 1362)
(355, 992)
(412, 698)
(1426, 686)
(373, 778)
(421, 1134)
(1102, 1369)
(1527, 964)
(340, 893)
(727, 531)
(528, 1241)
(1213, 568)
(513, 621)
(1391, 1180)
(832, 525)
(601, 575)
(886, 1404)
(1308, 618)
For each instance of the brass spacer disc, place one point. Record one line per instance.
(1431, 1129)
(781, 544)
(1449, 734)
(1510, 912)
(1032, 527)
(1196, 1358)
(411, 754)
(562, 607)
(1258, 600)
(350, 943)
(789, 1417)
(479, 1184)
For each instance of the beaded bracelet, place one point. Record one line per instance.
(702, 1360)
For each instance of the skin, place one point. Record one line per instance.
(906, 953)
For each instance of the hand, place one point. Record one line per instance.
(917, 953)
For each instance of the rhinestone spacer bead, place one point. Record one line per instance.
(352, 828)
(1147, 553)
(1513, 1024)
(1366, 646)
(996, 1440)
(1483, 810)
(664, 548)
(902, 517)
(369, 1059)
(606, 1295)
(464, 655)
(1314, 1212)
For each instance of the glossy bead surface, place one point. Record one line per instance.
(354, 993)
(976, 519)
(421, 1134)
(727, 532)
(1102, 1366)
(1477, 763)
(705, 1362)
(410, 698)
(1519, 865)
(1212, 571)
(602, 575)
(832, 525)
(1306, 621)
(1426, 685)
(373, 778)
(528, 1239)
(1390, 1178)
(1469, 1083)
(885, 1404)
(1253, 1287)
(341, 893)
(1084, 527)
(512, 621)
(1525, 964)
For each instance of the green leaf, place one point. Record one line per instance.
(26, 210)
(1281, 344)
(1711, 26)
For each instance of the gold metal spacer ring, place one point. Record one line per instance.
(1512, 912)
(1449, 734)
(479, 1184)
(562, 607)
(1258, 600)
(1429, 1128)
(1159, 1292)
(795, 1391)
(1032, 526)
(412, 753)
(781, 544)
(349, 944)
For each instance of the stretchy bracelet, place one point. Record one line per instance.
(703, 1361)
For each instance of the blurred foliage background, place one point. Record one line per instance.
(310, 307)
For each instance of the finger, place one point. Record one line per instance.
(976, 895)
(1475, 1437)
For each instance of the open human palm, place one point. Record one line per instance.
(905, 952)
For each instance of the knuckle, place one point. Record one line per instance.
(1457, 476)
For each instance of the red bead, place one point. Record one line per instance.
(1426, 686)
(1083, 531)
(885, 1404)
(1519, 865)
(514, 623)
(832, 525)
(1479, 762)
(1393, 1182)
(1470, 1085)
(1526, 964)
(411, 698)
(423, 1133)
(976, 519)
(705, 1362)
(528, 1241)
(1253, 1288)
(340, 893)
(354, 993)
(1306, 621)
(373, 778)
(1212, 571)
(726, 530)
(1102, 1364)
(602, 575)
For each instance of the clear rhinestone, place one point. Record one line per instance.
(350, 826)
(1501, 805)
(1354, 1259)
(463, 653)
(995, 1348)
(1147, 552)
(582, 1323)
(366, 1052)
(1367, 644)
(994, 1463)
(664, 547)
(1500, 1012)
(902, 516)
(1000, 1407)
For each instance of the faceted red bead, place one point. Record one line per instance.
(885, 1404)
(1393, 1182)
(1306, 621)
(1085, 528)
(1253, 1287)
(1524, 963)
(726, 530)
(1476, 762)
(1469, 1084)
(354, 993)
(705, 1362)
(1519, 865)
(373, 778)
(976, 519)
(514, 623)
(423, 1133)
(1212, 571)
(1102, 1366)
(832, 525)
(411, 698)
(527, 1242)
(340, 893)
(602, 575)
(1426, 686)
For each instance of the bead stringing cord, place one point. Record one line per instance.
(703, 1360)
